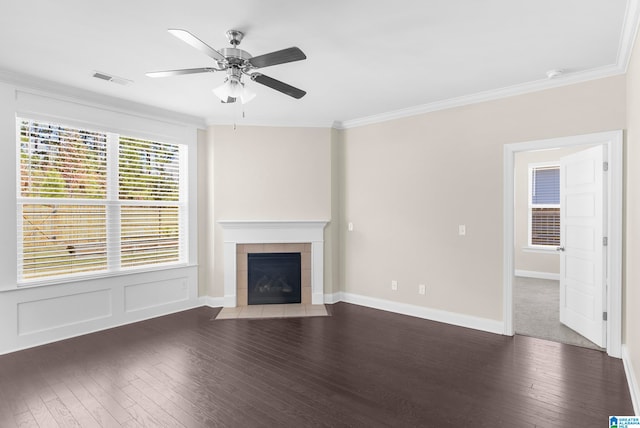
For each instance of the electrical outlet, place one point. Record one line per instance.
(462, 230)
(422, 289)
(394, 285)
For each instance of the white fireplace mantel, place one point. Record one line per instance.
(273, 232)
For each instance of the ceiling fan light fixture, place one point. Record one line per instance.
(233, 88)
(247, 95)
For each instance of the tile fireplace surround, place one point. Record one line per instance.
(242, 235)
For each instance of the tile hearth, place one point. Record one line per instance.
(273, 311)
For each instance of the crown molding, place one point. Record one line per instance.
(628, 34)
(625, 47)
(69, 93)
(491, 95)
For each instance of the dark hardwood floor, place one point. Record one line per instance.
(359, 367)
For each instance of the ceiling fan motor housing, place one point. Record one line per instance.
(235, 57)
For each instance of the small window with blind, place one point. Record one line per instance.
(93, 202)
(544, 205)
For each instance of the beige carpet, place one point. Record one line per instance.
(537, 312)
(272, 311)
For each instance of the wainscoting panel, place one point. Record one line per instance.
(49, 314)
(154, 294)
(38, 315)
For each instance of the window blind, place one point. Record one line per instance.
(91, 202)
(546, 186)
(150, 234)
(62, 239)
(545, 226)
(148, 170)
(62, 162)
(545, 206)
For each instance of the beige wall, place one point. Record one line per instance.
(526, 259)
(267, 173)
(409, 183)
(206, 265)
(332, 233)
(631, 274)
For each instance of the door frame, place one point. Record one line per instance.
(612, 144)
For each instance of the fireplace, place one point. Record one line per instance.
(272, 266)
(274, 278)
(245, 237)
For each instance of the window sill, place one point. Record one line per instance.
(95, 276)
(540, 249)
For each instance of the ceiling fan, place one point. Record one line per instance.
(236, 62)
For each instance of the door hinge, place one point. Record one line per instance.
(605, 166)
(604, 316)
(605, 241)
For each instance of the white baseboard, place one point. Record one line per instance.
(631, 380)
(212, 302)
(539, 275)
(476, 323)
(468, 321)
(333, 298)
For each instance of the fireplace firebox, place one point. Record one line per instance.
(274, 278)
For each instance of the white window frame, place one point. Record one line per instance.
(530, 205)
(112, 204)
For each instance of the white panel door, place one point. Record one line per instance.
(581, 252)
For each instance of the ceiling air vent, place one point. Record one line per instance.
(112, 79)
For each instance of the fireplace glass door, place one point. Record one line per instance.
(274, 278)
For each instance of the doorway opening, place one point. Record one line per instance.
(538, 230)
(574, 300)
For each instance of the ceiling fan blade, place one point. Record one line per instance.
(277, 57)
(192, 40)
(278, 85)
(169, 73)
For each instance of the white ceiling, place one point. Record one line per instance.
(365, 58)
